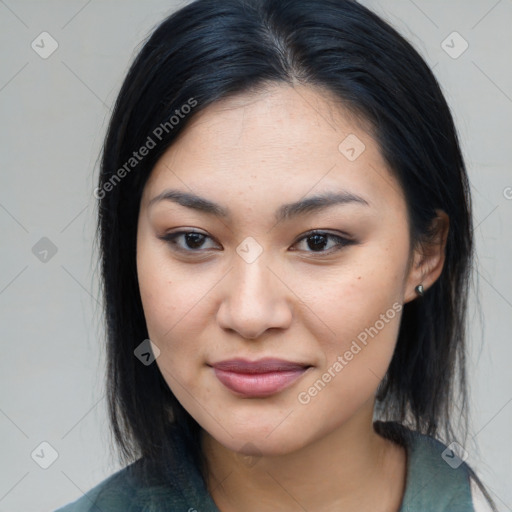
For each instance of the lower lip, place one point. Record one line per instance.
(258, 384)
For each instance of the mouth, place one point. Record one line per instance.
(258, 379)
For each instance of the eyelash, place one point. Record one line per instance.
(342, 241)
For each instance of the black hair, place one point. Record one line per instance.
(210, 50)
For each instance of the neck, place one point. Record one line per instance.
(351, 468)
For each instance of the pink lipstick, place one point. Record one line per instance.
(260, 378)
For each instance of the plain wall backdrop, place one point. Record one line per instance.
(55, 102)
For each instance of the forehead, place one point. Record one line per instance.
(282, 142)
(275, 117)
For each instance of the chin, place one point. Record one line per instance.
(260, 440)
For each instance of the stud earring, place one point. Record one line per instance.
(420, 290)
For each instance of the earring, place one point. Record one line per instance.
(419, 290)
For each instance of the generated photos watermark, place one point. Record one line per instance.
(304, 397)
(137, 156)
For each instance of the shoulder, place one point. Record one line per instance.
(114, 493)
(171, 483)
(438, 479)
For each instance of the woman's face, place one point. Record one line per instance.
(254, 283)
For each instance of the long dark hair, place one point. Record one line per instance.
(210, 50)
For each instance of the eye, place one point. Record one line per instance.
(192, 240)
(317, 240)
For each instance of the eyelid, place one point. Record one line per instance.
(344, 240)
(170, 237)
(327, 232)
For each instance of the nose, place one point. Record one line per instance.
(255, 299)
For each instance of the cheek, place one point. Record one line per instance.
(357, 317)
(166, 293)
(170, 308)
(173, 303)
(363, 328)
(170, 318)
(352, 299)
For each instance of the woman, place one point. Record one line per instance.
(286, 241)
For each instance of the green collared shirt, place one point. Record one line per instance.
(437, 481)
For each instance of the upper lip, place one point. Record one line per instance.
(265, 365)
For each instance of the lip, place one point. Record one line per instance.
(260, 378)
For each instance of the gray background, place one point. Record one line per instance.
(53, 118)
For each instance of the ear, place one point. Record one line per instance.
(428, 257)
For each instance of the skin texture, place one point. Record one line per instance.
(296, 301)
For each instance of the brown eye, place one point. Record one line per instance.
(194, 240)
(186, 241)
(317, 241)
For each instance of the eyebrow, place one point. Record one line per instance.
(285, 212)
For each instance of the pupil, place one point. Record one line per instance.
(194, 239)
(317, 242)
